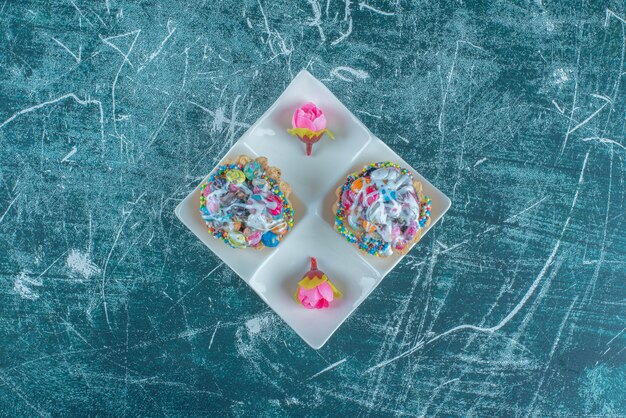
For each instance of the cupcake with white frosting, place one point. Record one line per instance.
(382, 209)
(245, 204)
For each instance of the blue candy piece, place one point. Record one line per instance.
(252, 170)
(270, 239)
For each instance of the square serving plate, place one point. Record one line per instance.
(273, 273)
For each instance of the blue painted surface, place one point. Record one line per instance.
(112, 111)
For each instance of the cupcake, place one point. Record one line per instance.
(245, 204)
(382, 209)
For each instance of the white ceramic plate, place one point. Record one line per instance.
(273, 273)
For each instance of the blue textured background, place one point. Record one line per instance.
(513, 305)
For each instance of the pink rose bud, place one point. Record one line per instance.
(309, 117)
(315, 291)
(309, 124)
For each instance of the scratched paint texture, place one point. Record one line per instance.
(112, 111)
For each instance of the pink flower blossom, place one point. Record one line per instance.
(315, 291)
(309, 125)
(310, 117)
(317, 298)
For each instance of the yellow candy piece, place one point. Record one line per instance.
(235, 176)
(237, 239)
